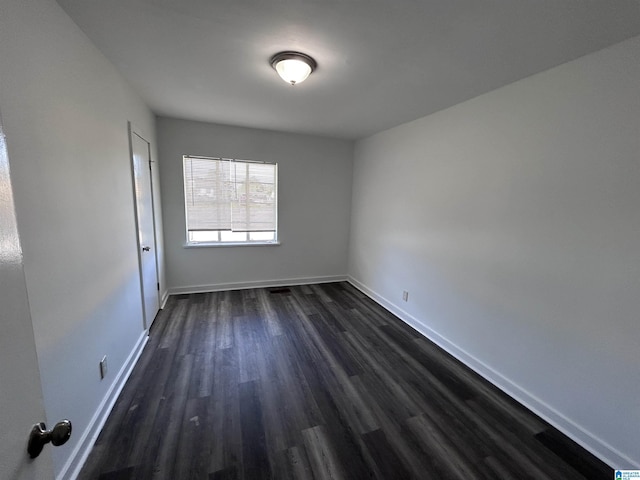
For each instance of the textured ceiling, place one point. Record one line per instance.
(380, 62)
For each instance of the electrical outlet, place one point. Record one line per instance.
(405, 296)
(103, 367)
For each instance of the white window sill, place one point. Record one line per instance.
(231, 244)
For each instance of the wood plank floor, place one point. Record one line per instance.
(315, 382)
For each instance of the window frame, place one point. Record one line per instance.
(229, 243)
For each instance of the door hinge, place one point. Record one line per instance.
(158, 286)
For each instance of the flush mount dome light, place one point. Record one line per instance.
(293, 67)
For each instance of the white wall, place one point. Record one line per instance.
(65, 111)
(314, 182)
(513, 220)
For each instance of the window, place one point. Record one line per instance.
(230, 201)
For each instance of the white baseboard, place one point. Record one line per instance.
(218, 287)
(76, 460)
(578, 434)
(163, 300)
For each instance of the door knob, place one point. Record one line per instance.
(40, 436)
(146, 249)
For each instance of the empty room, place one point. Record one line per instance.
(319, 240)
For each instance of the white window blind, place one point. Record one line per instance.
(228, 195)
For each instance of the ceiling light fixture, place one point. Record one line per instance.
(293, 67)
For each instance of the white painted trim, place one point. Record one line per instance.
(578, 434)
(74, 464)
(232, 244)
(163, 300)
(256, 284)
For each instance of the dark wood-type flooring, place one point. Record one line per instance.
(315, 382)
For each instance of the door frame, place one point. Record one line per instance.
(132, 130)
